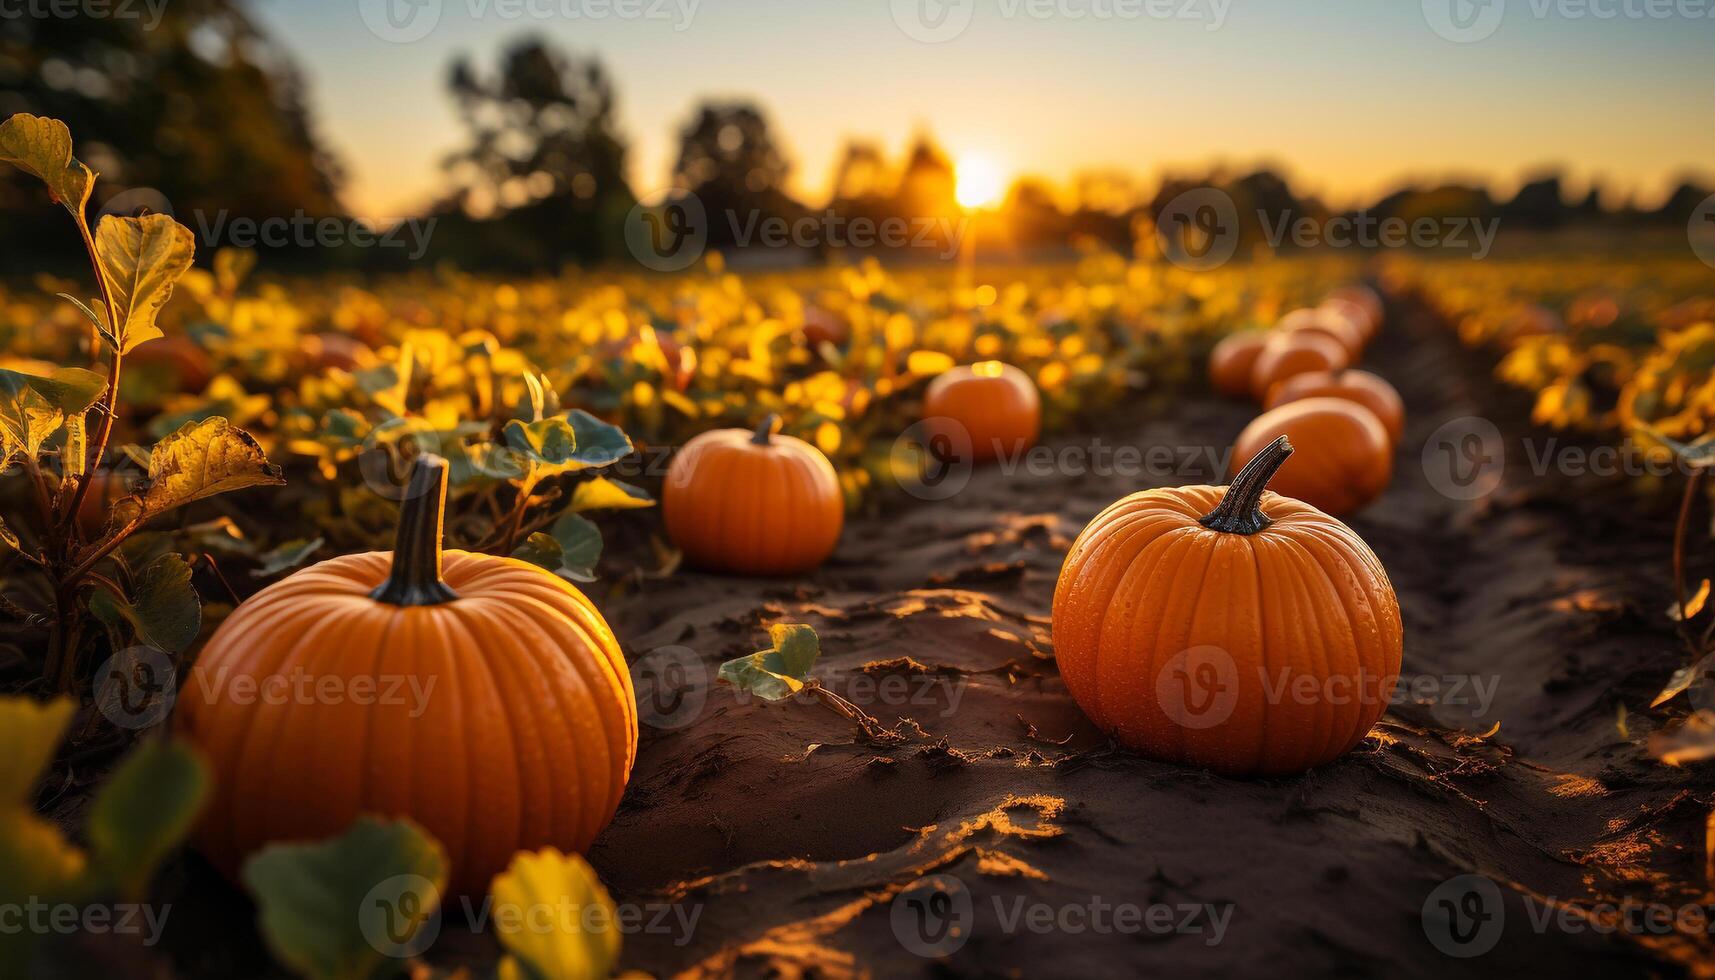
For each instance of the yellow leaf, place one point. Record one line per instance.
(604, 494)
(203, 459)
(928, 362)
(142, 258)
(552, 913)
(42, 147)
(1693, 605)
(30, 732)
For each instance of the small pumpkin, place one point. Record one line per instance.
(1227, 627)
(1362, 387)
(482, 697)
(1356, 316)
(758, 503)
(991, 407)
(1294, 352)
(1341, 330)
(1231, 361)
(1344, 459)
(1366, 299)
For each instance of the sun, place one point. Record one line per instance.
(979, 182)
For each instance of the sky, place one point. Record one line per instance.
(1348, 97)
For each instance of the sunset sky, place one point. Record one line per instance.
(1348, 96)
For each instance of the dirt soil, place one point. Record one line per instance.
(791, 835)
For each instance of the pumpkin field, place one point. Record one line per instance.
(1063, 581)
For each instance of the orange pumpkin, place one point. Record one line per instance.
(1339, 329)
(180, 360)
(1356, 316)
(1294, 352)
(1366, 299)
(1227, 628)
(756, 503)
(482, 697)
(1368, 390)
(1344, 459)
(1231, 361)
(991, 407)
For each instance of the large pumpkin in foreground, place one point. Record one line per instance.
(482, 697)
(1227, 627)
(757, 503)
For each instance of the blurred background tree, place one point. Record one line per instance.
(729, 159)
(201, 107)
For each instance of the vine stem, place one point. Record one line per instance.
(109, 398)
(1680, 531)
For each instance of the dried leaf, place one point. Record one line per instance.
(203, 459)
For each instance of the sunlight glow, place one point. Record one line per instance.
(979, 182)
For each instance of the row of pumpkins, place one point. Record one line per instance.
(530, 729)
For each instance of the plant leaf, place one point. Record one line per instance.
(95, 319)
(602, 493)
(37, 864)
(203, 459)
(42, 147)
(32, 408)
(583, 943)
(319, 903)
(164, 608)
(570, 548)
(144, 810)
(781, 670)
(1697, 454)
(75, 456)
(30, 732)
(142, 258)
(598, 443)
(549, 441)
(288, 556)
(1693, 605)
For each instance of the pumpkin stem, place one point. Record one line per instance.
(1240, 511)
(766, 429)
(416, 576)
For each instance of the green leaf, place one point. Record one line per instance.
(602, 493)
(582, 944)
(42, 147)
(164, 608)
(330, 910)
(37, 864)
(144, 810)
(290, 555)
(32, 408)
(781, 670)
(30, 732)
(570, 548)
(203, 459)
(598, 443)
(142, 259)
(549, 441)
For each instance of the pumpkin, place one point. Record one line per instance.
(756, 503)
(1344, 459)
(1231, 361)
(1354, 315)
(482, 697)
(323, 352)
(1362, 387)
(1231, 628)
(1366, 299)
(990, 407)
(1339, 329)
(1294, 352)
(179, 362)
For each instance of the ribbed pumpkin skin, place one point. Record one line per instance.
(732, 505)
(1231, 361)
(525, 740)
(1343, 459)
(996, 403)
(1361, 387)
(1294, 352)
(1145, 582)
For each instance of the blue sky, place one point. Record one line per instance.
(1351, 96)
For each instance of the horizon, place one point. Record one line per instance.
(1024, 107)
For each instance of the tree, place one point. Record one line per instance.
(542, 180)
(730, 161)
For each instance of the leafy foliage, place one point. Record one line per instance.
(779, 671)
